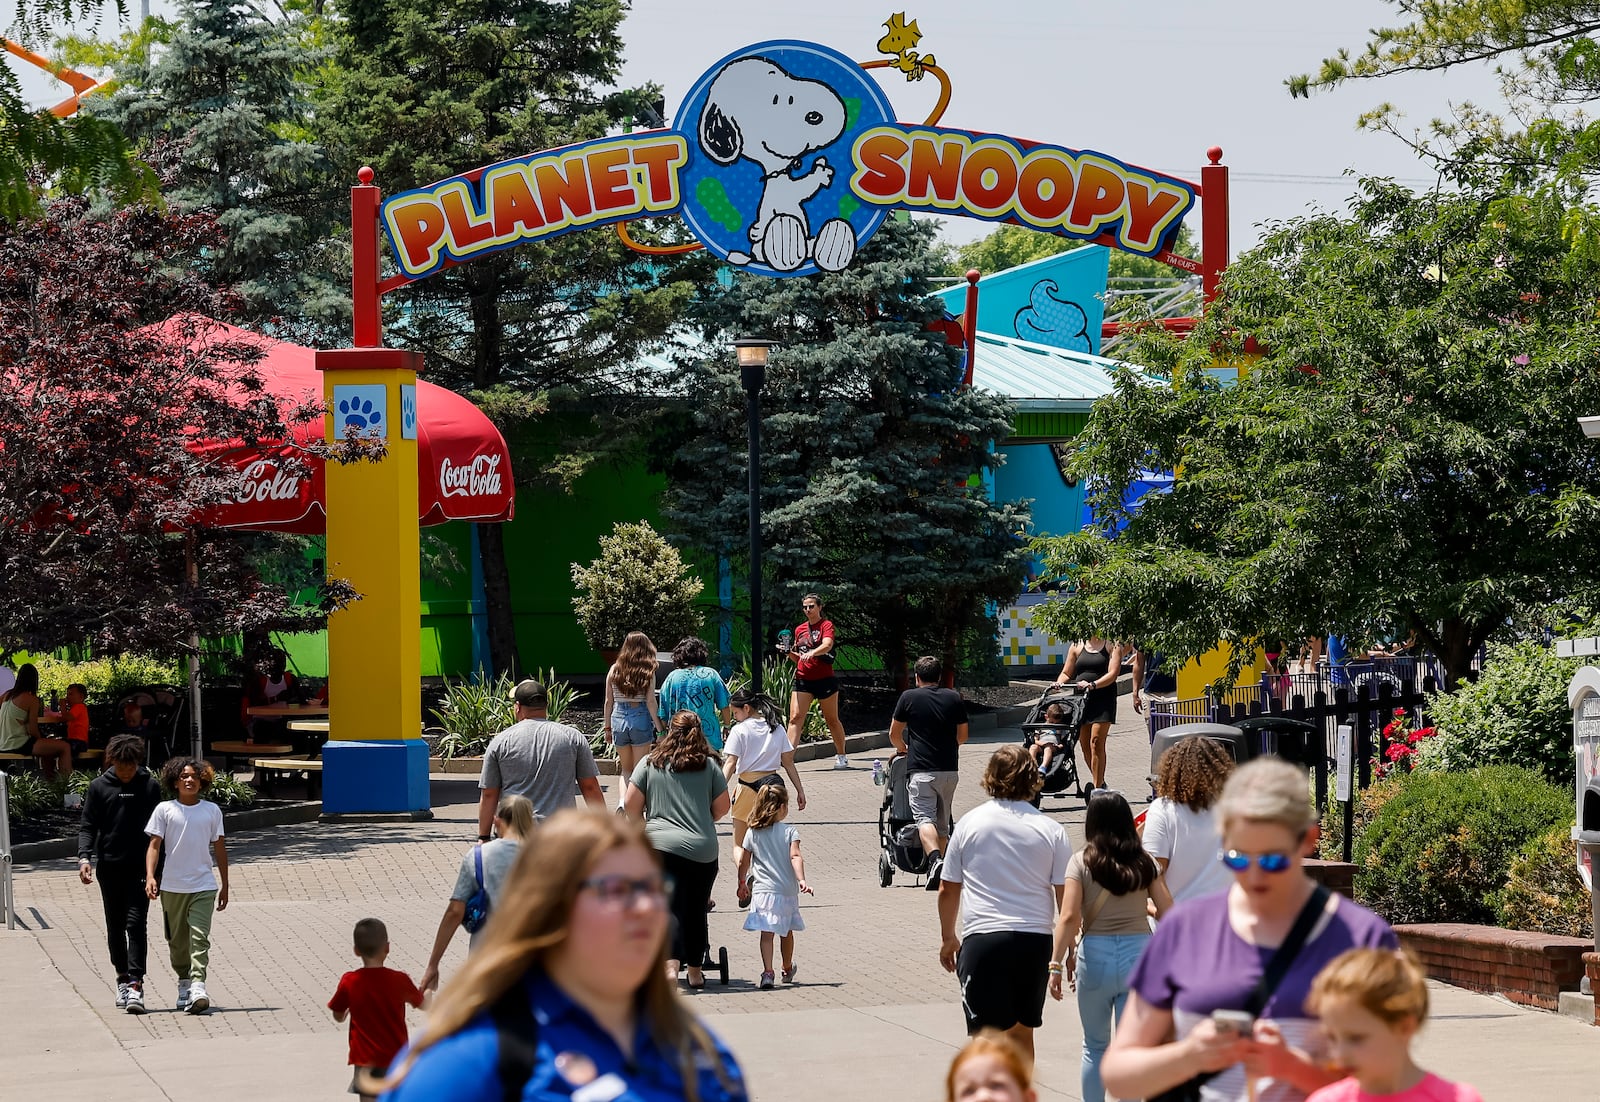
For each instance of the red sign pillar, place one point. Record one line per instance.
(1213, 222)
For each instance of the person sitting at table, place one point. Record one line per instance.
(273, 684)
(19, 726)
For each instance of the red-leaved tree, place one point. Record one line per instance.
(99, 412)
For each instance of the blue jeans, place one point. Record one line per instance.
(1104, 963)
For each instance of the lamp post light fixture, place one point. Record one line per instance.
(752, 355)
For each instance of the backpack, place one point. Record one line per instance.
(478, 906)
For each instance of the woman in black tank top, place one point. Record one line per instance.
(1093, 664)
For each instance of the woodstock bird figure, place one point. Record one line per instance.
(898, 44)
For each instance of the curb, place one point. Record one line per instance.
(249, 819)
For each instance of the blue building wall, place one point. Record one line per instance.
(1054, 301)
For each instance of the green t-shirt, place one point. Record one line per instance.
(677, 808)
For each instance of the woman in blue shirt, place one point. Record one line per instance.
(567, 995)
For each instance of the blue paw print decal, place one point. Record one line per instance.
(361, 409)
(360, 414)
(408, 411)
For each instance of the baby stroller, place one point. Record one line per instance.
(897, 828)
(1061, 778)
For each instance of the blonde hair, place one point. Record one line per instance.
(771, 803)
(1267, 790)
(530, 920)
(990, 1042)
(516, 812)
(1388, 984)
(635, 668)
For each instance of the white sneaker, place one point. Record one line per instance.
(841, 762)
(135, 999)
(199, 1001)
(122, 995)
(183, 994)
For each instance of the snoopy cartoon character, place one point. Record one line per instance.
(756, 110)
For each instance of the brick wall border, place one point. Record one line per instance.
(1527, 968)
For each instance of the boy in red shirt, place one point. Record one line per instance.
(374, 998)
(76, 716)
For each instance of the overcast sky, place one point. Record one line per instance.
(1152, 82)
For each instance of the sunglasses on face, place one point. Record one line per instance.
(1266, 862)
(627, 891)
(808, 606)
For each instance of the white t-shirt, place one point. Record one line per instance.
(758, 745)
(1007, 855)
(186, 832)
(1189, 840)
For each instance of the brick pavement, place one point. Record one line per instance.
(875, 1015)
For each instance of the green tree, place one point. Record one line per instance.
(1402, 456)
(222, 102)
(1009, 246)
(39, 151)
(421, 90)
(1545, 53)
(872, 456)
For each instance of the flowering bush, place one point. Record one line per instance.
(1402, 744)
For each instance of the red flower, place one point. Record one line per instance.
(1398, 752)
(1388, 730)
(1399, 713)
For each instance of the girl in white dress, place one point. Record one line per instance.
(772, 848)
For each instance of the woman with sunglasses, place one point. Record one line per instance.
(812, 653)
(1209, 955)
(567, 989)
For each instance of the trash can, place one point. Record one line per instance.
(1293, 740)
(1231, 738)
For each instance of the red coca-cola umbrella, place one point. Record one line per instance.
(463, 466)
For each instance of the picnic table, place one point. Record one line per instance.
(239, 748)
(287, 711)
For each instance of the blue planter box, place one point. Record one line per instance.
(377, 776)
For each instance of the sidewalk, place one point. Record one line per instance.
(874, 1016)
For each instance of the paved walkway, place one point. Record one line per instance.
(875, 1016)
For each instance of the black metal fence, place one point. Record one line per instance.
(1364, 695)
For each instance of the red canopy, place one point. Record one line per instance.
(463, 466)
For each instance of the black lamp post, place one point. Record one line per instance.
(752, 354)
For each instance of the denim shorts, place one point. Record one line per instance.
(630, 724)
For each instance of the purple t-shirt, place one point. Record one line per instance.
(1196, 963)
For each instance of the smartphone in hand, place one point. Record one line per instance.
(1237, 1022)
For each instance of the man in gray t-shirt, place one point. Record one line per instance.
(537, 759)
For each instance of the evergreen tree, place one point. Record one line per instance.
(872, 458)
(223, 105)
(424, 89)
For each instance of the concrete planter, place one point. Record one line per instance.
(474, 766)
(248, 819)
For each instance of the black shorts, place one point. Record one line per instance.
(820, 688)
(1004, 977)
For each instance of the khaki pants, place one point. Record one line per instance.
(187, 917)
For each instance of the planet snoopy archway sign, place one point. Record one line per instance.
(784, 160)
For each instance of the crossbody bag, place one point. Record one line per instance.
(1271, 977)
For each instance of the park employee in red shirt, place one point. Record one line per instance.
(812, 653)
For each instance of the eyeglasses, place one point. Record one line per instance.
(626, 891)
(1266, 862)
(809, 606)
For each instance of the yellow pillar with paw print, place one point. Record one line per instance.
(375, 759)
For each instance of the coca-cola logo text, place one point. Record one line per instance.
(263, 481)
(480, 478)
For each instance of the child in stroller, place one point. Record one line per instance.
(1046, 740)
(1050, 735)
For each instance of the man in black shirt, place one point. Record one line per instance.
(119, 803)
(929, 727)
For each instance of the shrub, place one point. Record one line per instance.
(638, 583)
(1440, 848)
(777, 681)
(1543, 891)
(230, 793)
(1515, 713)
(474, 710)
(1330, 847)
(28, 795)
(106, 679)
